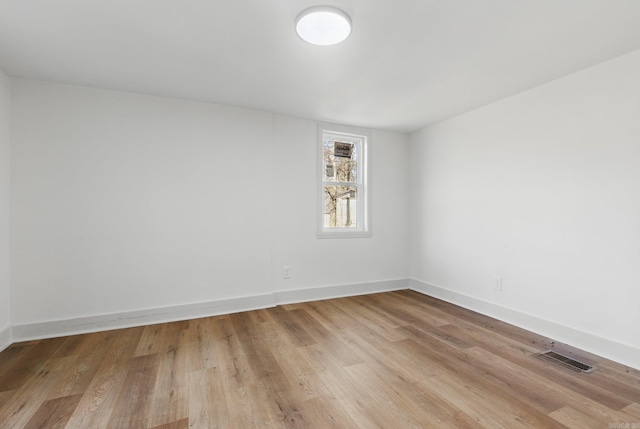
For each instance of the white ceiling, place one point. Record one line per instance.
(407, 63)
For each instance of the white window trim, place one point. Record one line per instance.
(364, 207)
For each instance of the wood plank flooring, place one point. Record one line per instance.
(389, 360)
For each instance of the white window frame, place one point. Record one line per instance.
(363, 212)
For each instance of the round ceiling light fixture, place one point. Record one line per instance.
(323, 25)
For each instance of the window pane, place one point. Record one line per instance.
(340, 205)
(337, 168)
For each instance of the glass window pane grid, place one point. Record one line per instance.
(338, 169)
(341, 206)
(343, 172)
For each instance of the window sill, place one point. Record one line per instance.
(344, 234)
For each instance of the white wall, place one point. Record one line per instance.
(317, 262)
(124, 202)
(4, 210)
(541, 189)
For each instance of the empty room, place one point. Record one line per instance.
(299, 214)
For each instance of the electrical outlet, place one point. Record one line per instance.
(497, 284)
(285, 272)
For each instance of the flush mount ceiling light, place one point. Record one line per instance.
(323, 25)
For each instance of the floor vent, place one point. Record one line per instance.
(566, 361)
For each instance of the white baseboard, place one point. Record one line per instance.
(329, 292)
(83, 325)
(619, 352)
(623, 353)
(5, 338)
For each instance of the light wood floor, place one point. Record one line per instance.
(389, 360)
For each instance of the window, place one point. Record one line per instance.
(343, 193)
